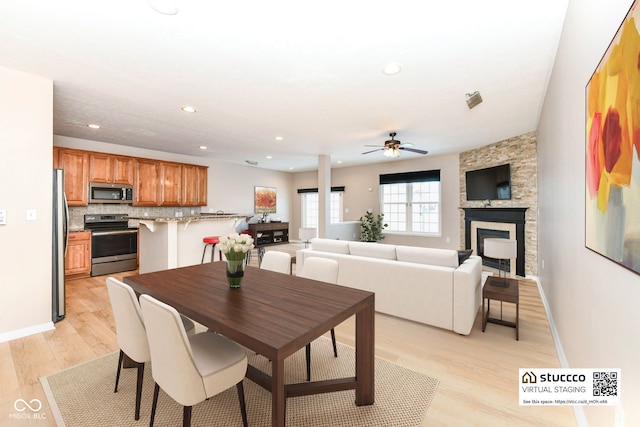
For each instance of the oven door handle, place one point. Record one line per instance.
(111, 233)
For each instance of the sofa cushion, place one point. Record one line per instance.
(431, 256)
(330, 245)
(463, 255)
(372, 250)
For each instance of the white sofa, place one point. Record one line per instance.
(425, 285)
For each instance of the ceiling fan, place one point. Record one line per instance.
(392, 147)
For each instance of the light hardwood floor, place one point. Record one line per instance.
(478, 373)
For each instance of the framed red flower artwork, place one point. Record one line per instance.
(264, 200)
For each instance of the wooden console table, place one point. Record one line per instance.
(509, 293)
(268, 234)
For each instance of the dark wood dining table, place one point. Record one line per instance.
(274, 315)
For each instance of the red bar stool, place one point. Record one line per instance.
(209, 240)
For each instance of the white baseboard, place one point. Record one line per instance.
(581, 419)
(25, 332)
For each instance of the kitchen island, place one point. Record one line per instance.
(177, 242)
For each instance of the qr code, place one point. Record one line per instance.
(605, 383)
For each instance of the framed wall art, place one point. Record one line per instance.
(264, 200)
(612, 181)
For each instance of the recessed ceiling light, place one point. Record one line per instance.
(165, 7)
(339, 161)
(203, 147)
(188, 109)
(391, 69)
(94, 126)
(279, 138)
(269, 157)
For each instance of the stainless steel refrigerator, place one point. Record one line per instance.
(60, 232)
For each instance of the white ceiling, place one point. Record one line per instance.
(309, 72)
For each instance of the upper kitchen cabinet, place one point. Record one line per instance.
(110, 169)
(146, 183)
(170, 184)
(75, 164)
(155, 182)
(194, 185)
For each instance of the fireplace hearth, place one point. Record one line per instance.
(507, 221)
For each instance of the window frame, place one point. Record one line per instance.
(408, 179)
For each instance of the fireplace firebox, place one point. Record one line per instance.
(485, 233)
(514, 216)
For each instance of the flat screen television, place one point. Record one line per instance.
(492, 183)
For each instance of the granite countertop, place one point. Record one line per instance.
(203, 217)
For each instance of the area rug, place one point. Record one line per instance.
(83, 395)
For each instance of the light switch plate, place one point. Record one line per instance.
(3, 217)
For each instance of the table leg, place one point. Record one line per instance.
(365, 356)
(278, 398)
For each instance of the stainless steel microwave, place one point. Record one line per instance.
(110, 193)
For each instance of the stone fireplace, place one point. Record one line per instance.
(481, 223)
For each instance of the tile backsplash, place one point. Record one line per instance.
(76, 213)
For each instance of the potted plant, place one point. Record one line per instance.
(372, 226)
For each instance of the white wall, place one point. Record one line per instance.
(594, 302)
(357, 197)
(26, 122)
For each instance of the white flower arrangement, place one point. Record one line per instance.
(235, 246)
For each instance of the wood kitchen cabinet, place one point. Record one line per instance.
(170, 184)
(156, 182)
(75, 164)
(77, 262)
(194, 185)
(110, 169)
(146, 183)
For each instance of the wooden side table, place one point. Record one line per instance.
(510, 293)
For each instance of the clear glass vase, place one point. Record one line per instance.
(235, 272)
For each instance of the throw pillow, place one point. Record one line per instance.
(463, 255)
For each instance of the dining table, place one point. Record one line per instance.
(275, 315)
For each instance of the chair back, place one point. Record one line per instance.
(173, 367)
(277, 261)
(132, 337)
(321, 269)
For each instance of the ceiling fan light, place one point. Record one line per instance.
(391, 152)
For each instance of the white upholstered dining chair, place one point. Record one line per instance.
(190, 369)
(322, 270)
(130, 330)
(277, 261)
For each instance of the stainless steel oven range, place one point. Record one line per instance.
(114, 246)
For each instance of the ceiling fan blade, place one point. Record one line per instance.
(372, 151)
(415, 150)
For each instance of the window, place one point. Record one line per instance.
(411, 201)
(310, 210)
(335, 207)
(311, 206)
